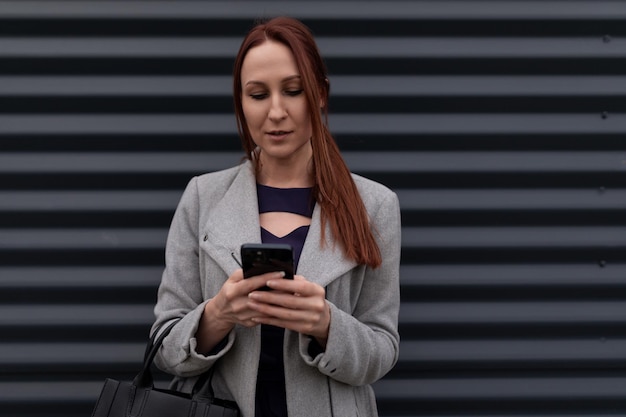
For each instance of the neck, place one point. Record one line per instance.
(285, 175)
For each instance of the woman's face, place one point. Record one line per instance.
(274, 104)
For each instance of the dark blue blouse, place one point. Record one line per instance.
(270, 388)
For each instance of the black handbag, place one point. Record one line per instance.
(140, 398)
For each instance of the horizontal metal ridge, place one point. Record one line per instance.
(410, 199)
(513, 312)
(317, 10)
(110, 238)
(132, 200)
(410, 351)
(335, 47)
(71, 353)
(54, 391)
(500, 388)
(476, 85)
(116, 85)
(118, 124)
(393, 161)
(341, 85)
(76, 315)
(118, 162)
(80, 277)
(511, 199)
(512, 275)
(415, 389)
(495, 350)
(348, 123)
(411, 275)
(514, 237)
(412, 237)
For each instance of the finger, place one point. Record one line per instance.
(296, 324)
(311, 322)
(300, 286)
(270, 275)
(287, 301)
(236, 276)
(298, 278)
(254, 283)
(284, 284)
(250, 323)
(267, 311)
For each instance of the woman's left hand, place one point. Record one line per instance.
(297, 305)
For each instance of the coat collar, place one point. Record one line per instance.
(322, 263)
(234, 220)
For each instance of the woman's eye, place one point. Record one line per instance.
(294, 92)
(258, 96)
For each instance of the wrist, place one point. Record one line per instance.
(212, 328)
(322, 336)
(213, 313)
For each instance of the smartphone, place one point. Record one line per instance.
(260, 258)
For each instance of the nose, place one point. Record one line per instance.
(277, 109)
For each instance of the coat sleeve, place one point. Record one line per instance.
(180, 293)
(363, 345)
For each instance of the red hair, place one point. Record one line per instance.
(335, 191)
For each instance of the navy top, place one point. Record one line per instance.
(270, 389)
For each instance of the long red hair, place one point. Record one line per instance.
(335, 191)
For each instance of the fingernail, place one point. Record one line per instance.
(280, 274)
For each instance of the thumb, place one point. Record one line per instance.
(236, 276)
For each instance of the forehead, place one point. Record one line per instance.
(269, 61)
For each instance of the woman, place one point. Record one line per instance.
(312, 345)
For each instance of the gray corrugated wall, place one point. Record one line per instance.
(500, 124)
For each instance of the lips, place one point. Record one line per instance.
(278, 135)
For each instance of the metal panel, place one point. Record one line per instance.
(499, 124)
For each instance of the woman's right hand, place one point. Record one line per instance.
(230, 305)
(229, 308)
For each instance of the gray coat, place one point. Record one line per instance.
(216, 214)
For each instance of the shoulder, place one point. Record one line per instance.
(381, 203)
(222, 178)
(210, 187)
(212, 184)
(372, 193)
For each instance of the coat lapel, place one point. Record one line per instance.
(233, 220)
(322, 264)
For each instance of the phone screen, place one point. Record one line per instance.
(260, 258)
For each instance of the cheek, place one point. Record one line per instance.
(305, 120)
(253, 115)
(301, 114)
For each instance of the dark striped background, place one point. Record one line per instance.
(500, 124)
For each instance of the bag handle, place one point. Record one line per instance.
(202, 390)
(144, 377)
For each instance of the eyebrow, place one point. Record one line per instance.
(286, 79)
